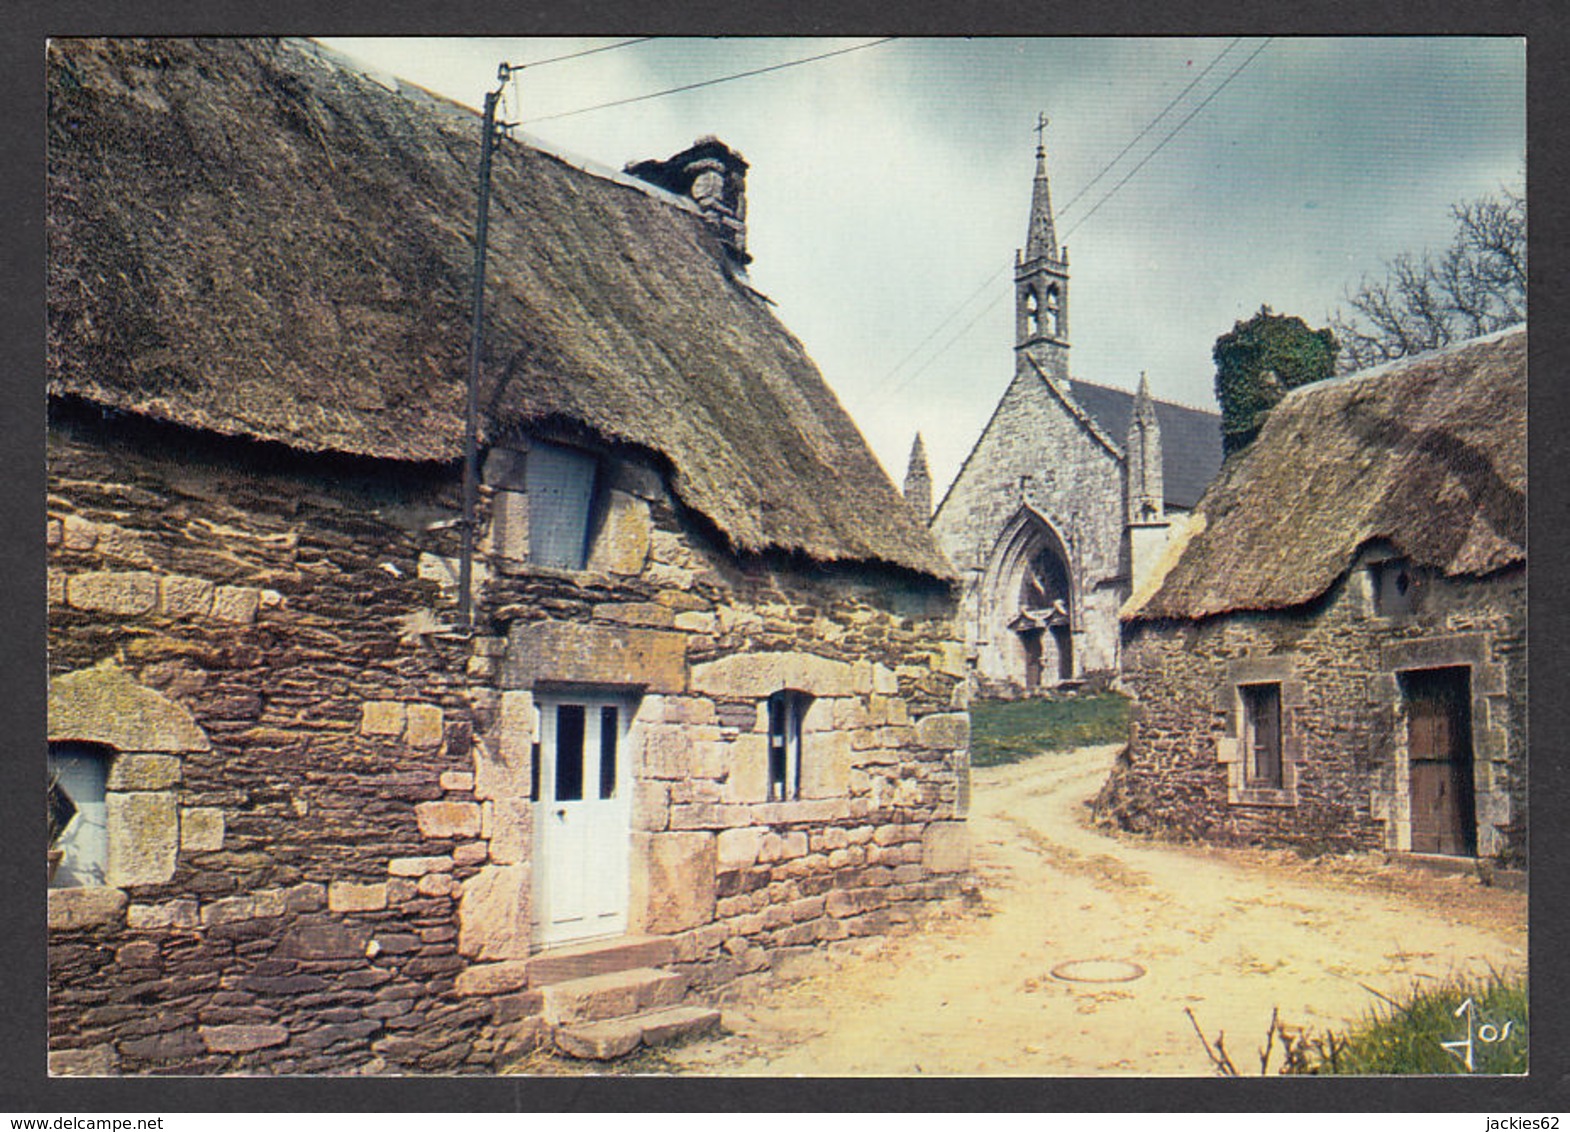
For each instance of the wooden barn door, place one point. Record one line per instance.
(1439, 747)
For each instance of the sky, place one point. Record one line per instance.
(889, 186)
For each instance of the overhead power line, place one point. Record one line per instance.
(588, 51)
(935, 331)
(939, 352)
(891, 390)
(709, 82)
(1167, 109)
(1187, 118)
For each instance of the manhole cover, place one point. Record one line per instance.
(1098, 971)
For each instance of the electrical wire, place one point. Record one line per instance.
(936, 330)
(708, 82)
(1167, 109)
(581, 54)
(905, 382)
(1222, 85)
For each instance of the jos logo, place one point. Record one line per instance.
(1487, 1034)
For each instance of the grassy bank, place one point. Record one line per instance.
(1005, 732)
(1408, 1036)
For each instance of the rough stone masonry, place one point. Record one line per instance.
(318, 808)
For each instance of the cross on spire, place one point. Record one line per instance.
(1041, 128)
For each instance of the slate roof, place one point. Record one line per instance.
(1190, 438)
(251, 238)
(1427, 454)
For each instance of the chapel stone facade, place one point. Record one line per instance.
(1070, 494)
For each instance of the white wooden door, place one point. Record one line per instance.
(582, 818)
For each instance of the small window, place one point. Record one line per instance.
(1032, 314)
(560, 486)
(1053, 313)
(786, 712)
(78, 821)
(569, 753)
(578, 757)
(1262, 735)
(1394, 586)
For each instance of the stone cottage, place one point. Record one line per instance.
(1336, 659)
(1068, 496)
(304, 818)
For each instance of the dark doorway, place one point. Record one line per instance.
(1030, 639)
(1064, 640)
(1439, 750)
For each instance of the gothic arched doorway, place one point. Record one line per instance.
(1031, 599)
(1042, 619)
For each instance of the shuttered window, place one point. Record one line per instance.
(560, 486)
(1262, 734)
(786, 712)
(1395, 588)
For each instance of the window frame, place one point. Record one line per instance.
(1255, 699)
(787, 715)
(1387, 597)
(1233, 746)
(87, 830)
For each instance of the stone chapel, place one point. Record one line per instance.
(1069, 496)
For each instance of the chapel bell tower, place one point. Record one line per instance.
(1041, 280)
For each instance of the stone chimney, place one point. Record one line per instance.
(714, 177)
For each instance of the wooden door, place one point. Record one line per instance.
(1030, 640)
(1063, 638)
(1439, 750)
(582, 819)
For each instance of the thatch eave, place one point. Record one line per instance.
(1427, 455)
(249, 238)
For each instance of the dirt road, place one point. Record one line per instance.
(1229, 934)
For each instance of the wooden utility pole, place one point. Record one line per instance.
(471, 472)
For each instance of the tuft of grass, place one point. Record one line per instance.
(1008, 731)
(1408, 1036)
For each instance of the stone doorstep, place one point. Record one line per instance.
(616, 994)
(599, 958)
(603, 1041)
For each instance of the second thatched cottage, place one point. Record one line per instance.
(711, 709)
(1336, 659)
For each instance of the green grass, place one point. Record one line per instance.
(1006, 732)
(1406, 1036)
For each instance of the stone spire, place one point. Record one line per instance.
(1041, 240)
(1041, 281)
(918, 482)
(1146, 503)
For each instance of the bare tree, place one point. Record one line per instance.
(1478, 285)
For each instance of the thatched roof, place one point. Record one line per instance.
(1427, 454)
(249, 238)
(1190, 438)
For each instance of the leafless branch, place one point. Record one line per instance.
(1218, 1054)
(1270, 1041)
(1476, 286)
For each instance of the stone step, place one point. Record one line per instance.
(615, 994)
(616, 1037)
(600, 957)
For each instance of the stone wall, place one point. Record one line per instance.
(307, 921)
(1037, 454)
(338, 821)
(736, 879)
(1344, 728)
